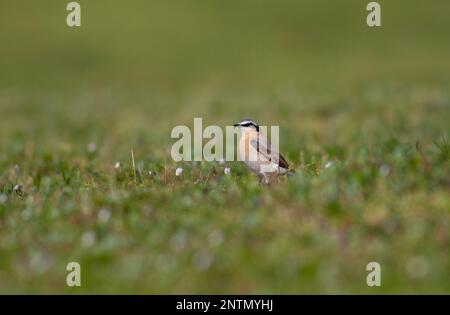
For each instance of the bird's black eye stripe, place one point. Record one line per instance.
(250, 124)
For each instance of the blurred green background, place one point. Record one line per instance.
(73, 101)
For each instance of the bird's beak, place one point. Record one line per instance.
(236, 125)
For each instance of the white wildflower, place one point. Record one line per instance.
(147, 210)
(17, 188)
(227, 170)
(384, 170)
(178, 241)
(178, 171)
(88, 239)
(26, 214)
(118, 165)
(202, 260)
(215, 238)
(165, 263)
(417, 267)
(104, 215)
(40, 263)
(92, 147)
(329, 164)
(3, 199)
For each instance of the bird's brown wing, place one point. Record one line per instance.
(266, 151)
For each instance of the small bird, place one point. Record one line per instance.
(257, 152)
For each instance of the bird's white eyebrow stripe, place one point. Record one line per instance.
(246, 122)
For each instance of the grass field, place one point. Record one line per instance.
(364, 119)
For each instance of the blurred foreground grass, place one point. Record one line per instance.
(363, 115)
